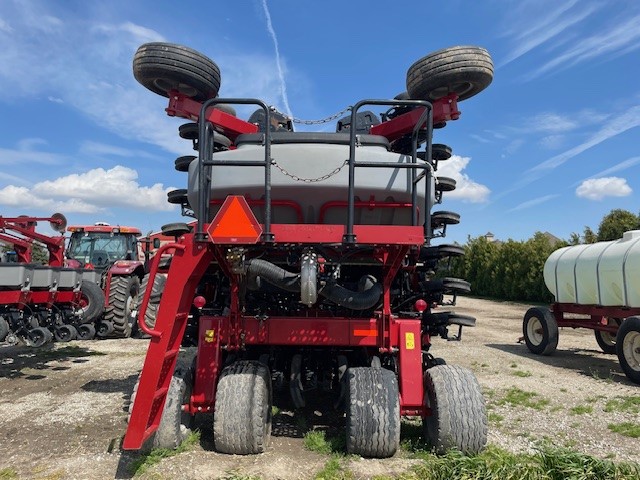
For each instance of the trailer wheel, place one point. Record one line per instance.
(373, 412)
(242, 416)
(458, 416)
(607, 340)
(39, 336)
(162, 67)
(628, 348)
(154, 300)
(123, 298)
(91, 301)
(4, 329)
(86, 331)
(65, 333)
(540, 331)
(104, 328)
(464, 70)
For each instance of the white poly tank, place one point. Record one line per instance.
(603, 273)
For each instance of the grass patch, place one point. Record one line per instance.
(495, 418)
(581, 409)
(628, 429)
(521, 373)
(236, 475)
(548, 463)
(521, 398)
(334, 470)
(623, 404)
(317, 441)
(275, 411)
(8, 473)
(146, 461)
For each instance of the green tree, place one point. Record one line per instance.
(589, 236)
(615, 223)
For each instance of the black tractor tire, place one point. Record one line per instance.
(86, 331)
(458, 417)
(92, 301)
(441, 152)
(39, 336)
(154, 301)
(540, 330)
(123, 298)
(441, 218)
(445, 184)
(65, 333)
(162, 67)
(628, 348)
(175, 229)
(606, 340)
(104, 329)
(178, 197)
(242, 416)
(465, 70)
(4, 329)
(373, 412)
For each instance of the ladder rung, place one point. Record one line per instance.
(171, 353)
(160, 393)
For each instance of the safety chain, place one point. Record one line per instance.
(310, 180)
(335, 116)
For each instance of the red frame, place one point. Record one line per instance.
(598, 315)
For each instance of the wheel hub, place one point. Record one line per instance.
(535, 331)
(631, 350)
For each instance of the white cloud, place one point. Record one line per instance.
(97, 190)
(599, 188)
(533, 203)
(466, 189)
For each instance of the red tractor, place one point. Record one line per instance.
(310, 269)
(112, 252)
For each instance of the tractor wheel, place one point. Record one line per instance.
(242, 417)
(4, 329)
(607, 340)
(540, 331)
(91, 301)
(463, 70)
(162, 67)
(39, 336)
(86, 331)
(123, 298)
(104, 329)
(458, 416)
(628, 348)
(373, 412)
(65, 333)
(178, 197)
(182, 163)
(154, 301)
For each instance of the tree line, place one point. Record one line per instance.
(512, 270)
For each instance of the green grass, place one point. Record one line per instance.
(317, 441)
(8, 473)
(334, 470)
(581, 409)
(521, 373)
(548, 463)
(146, 461)
(275, 411)
(623, 404)
(521, 398)
(628, 429)
(236, 475)
(495, 417)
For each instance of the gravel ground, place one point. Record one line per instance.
(63, 409)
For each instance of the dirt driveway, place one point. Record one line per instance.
(63, 410)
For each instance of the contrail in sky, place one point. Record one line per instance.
(283, 84)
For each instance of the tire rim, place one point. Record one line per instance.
(631, 350)
(608, 338)
(535, 331)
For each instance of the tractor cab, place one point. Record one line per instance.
(100, 245)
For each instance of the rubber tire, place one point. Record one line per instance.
(459, 415)
(445, 184)
(466, 70)
(607, 341)
(549, 341)
(178, 197)
(104, 329)
(629, 355)
(86, 331)
(65, 333)
(182, 163)
(162, 67)
(242, 416)
(441, 152)
(4, 329)
(175, 229)
(93, 295)
(296, 389)
(373, 412)
(39, 336)
(154, 300)
(123, 297)
(442, 218)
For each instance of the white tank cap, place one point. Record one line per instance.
(631, 234)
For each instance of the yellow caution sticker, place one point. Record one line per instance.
(409, 341)
(209, 336)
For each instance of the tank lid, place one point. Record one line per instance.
(631, 234)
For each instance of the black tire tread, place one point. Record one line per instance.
(629, 325)
(119, 294)
(151, 314)
(95, 301)
(550, 331)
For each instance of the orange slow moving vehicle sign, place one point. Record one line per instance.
(234, 223)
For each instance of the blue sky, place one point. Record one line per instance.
(551, 145)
